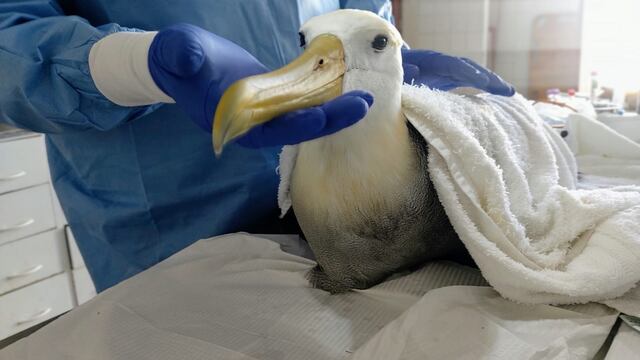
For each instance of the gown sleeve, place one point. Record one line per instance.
(45, 83)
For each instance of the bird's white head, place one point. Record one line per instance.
(344, 50)
(371, 49)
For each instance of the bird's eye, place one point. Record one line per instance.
(303, 41)
(380, 42)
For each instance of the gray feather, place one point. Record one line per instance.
(377, 242)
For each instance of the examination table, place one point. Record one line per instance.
(240, 296)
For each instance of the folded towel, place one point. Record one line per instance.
(508, 184)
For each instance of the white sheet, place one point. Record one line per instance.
(626, 344)
(605, 158)
(476, 323)
(241, 297)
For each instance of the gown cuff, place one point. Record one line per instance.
(119, 67)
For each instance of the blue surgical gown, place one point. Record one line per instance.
(138, 184)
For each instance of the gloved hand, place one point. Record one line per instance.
(444, 72)
(308, 124)
(195, 67)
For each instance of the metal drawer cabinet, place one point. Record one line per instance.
(85, 290)
(76, 257)
(23, 163)
(35, 270)
(25, 212)
(26, 261)
(34, 304)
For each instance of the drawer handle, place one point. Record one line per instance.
(27, 272)
(36, 317)
(18, 226)
(17, 175)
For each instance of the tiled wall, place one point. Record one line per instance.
(518, 38)
(457, 27)
(495, 33)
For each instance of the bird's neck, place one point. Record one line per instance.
(373, 155)
(382, 128)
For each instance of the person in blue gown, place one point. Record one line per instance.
(123, 91)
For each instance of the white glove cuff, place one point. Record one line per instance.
(119, 67)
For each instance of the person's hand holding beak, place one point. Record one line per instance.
(195, 67)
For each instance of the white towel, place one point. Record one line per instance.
(508, 184)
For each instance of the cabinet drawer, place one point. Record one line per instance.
(85, 290)
(23, 163)
(76, 258)
(25, 212)
(34, 304)
(31, 259)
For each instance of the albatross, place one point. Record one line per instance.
(362, 196)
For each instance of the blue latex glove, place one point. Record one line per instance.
(444, 72)
(195, 67)
(311, 123)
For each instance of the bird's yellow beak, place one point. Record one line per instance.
(312, 79)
